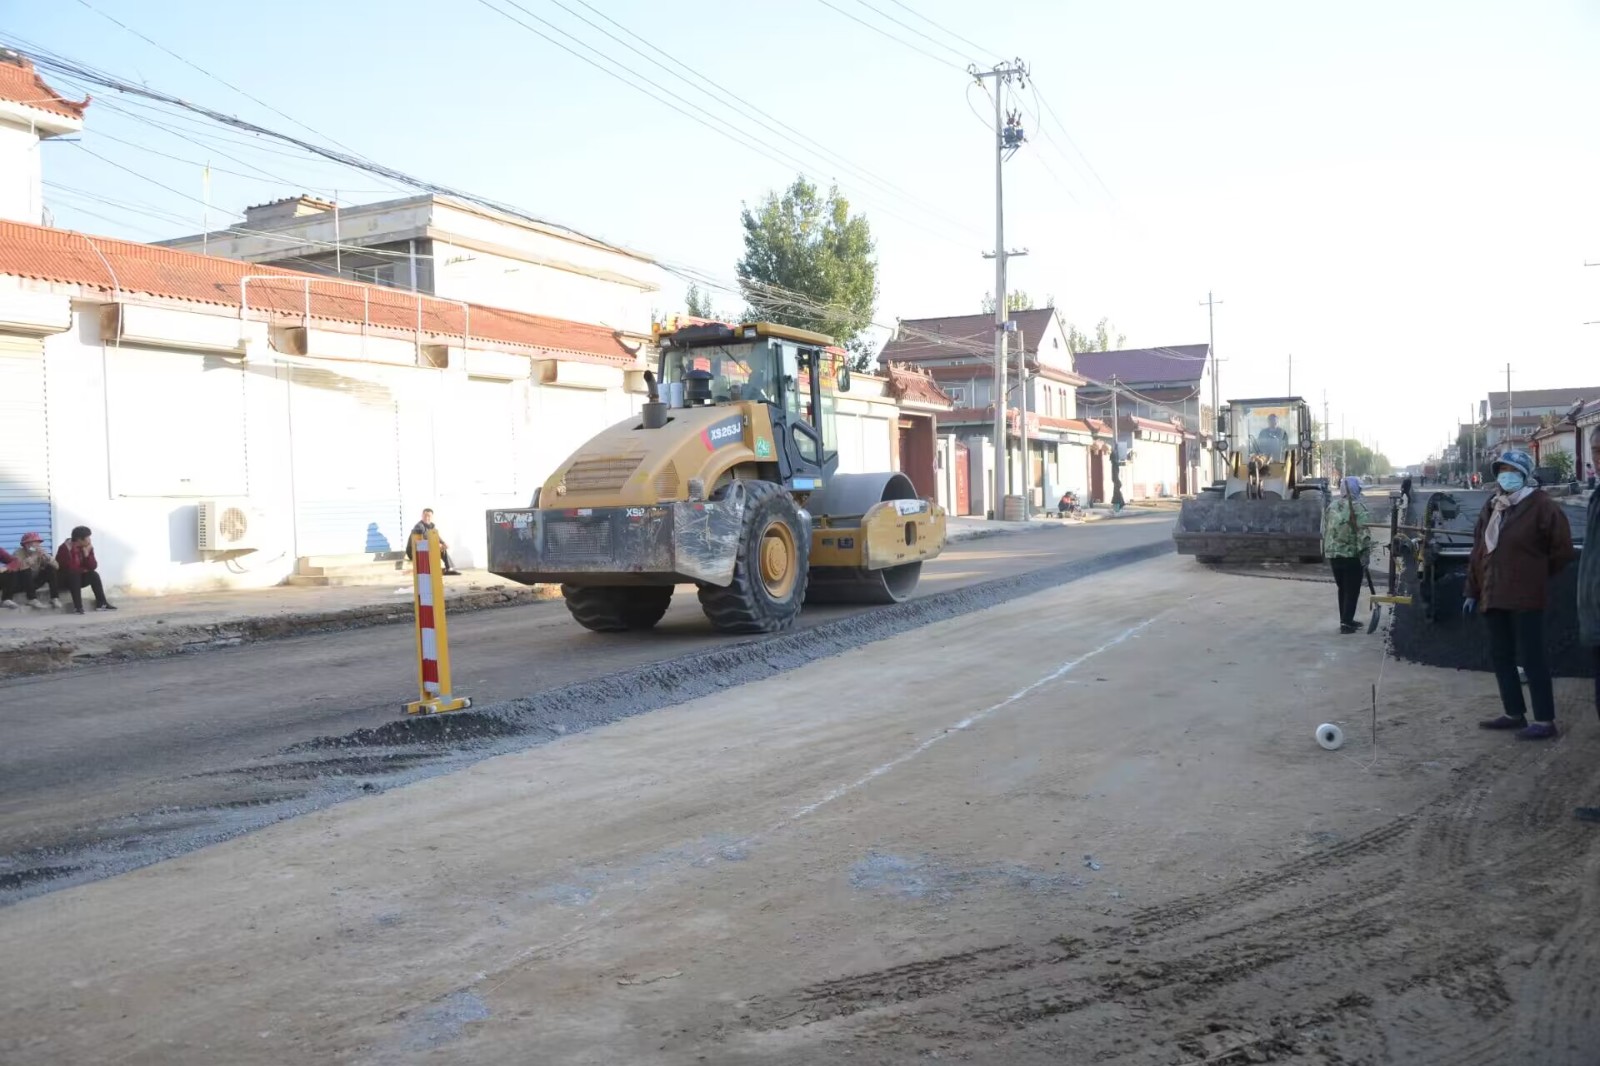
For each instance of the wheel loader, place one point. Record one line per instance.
(726, 480)
(1268, 508)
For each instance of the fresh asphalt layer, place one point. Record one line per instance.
(110, 768)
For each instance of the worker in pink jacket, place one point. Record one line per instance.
(78, 566)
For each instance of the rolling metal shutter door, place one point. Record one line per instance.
(487, 428)
(25, 458)
(202, 453)
(567, 418)
(345, 439)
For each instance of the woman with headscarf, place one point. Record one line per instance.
(1347, 542)
(1522, 539)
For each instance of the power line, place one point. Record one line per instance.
(886, 33)
(209, 74)
(912, 29)
(969, 43)
(745, 106)
(1045, 104)
(697, 114)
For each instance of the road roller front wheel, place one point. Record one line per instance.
(615, 609)
(771, 569)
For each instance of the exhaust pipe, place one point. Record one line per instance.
(654, 411)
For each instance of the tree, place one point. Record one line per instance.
(1561, 463)
(1015, 301)
(1360, 459)
(1079, 341)
(809, 263)
(697, 302)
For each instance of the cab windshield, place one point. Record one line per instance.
(1267, 430)
(738, 371)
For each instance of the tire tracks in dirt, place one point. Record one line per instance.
(1396, 921)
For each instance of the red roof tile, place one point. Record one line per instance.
(20, 85)
(110, 265)
(909, 384)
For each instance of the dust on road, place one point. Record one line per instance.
(1035, 833)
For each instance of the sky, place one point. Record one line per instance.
(1400, 196)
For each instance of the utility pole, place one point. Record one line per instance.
(1210, 304)
(1344, 450)
(1508, 403)
(1327, 431)
(1008, 137)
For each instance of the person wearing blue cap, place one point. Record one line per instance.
(1522, 539)
(1347, 542)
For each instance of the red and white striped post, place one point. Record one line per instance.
(433, 644)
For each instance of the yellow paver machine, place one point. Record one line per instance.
(727, 479)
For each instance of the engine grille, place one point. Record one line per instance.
(577, 540)
(605, 474)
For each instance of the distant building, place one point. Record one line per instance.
(957, 352)
(1531, 410)
(1163, 401)
(30, 111)
(451, 249)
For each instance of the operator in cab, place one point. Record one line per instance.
(1272, 441)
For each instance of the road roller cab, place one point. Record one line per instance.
(727, 480)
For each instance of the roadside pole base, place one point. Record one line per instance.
(439, 705)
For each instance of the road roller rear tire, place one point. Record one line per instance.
(617, 608)
(772, 568)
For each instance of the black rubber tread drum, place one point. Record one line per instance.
(770, 572)
(617, 608)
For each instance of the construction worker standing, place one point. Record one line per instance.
(1347, 542)
(1522, 540)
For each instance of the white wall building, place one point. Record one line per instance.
(29, 112)
(137, 385)
(449, 249)
(128, 402)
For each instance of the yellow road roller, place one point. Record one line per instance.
(725, 480)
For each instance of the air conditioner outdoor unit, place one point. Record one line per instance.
(230, 525)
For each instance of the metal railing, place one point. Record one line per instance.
(366, 323)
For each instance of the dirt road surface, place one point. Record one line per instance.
(1065, 829)
(104, 768)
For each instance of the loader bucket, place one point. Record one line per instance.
(1244, 530)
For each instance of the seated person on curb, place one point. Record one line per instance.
(78, 566)
(422, 528)
(31, 569)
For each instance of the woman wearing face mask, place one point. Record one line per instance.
(1522, 539)
(1347, 542)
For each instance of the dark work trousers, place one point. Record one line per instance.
(27, 583)
(1597, 679)
(1347, 576)
(1515, 635)
(76, 582)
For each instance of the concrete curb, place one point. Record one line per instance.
(155, 640)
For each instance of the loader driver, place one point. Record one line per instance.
(1272, 441)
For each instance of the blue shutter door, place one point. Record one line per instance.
(24, 458)
(345, 440)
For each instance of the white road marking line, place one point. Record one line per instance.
(971, 720)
